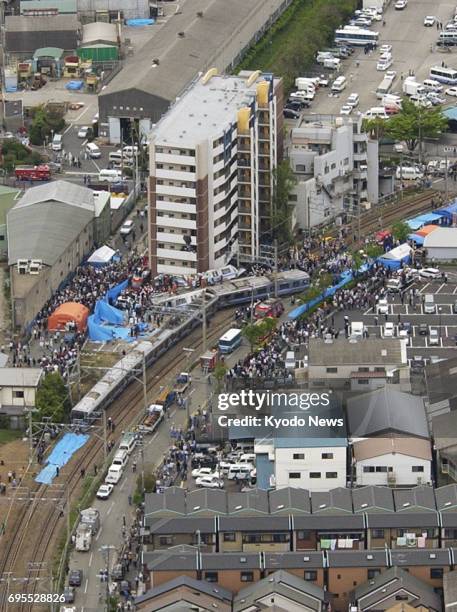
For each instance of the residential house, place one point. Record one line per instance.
(392, 587)
(428, 565)
(231, 571)
(170, 503)
(281, 591)
(163, 565)
(445, 443)
(446, 502)
(164, 533)
(289, 500)
(18, 389)
(255, 533)
(206, 502)
(308, 566)
(349, 569)
(332, 363)
(373, 499)
(184, 593)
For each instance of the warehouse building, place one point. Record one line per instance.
(23, 35)
(100, 42)
(50, 231)
(202, 34)
(441, 244)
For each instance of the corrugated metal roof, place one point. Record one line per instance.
(99, 31)
(377, 447)
(46, 220)
(373, 499)
(20, 23)
(20, 377)
(369, 351)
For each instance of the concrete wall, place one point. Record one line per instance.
(402, 470)
(313, 462)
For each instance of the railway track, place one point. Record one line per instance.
(39, 542)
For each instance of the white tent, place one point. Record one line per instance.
(101, 256)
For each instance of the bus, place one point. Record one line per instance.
(230, 340)
(444, 75)
(384, 87)
(448, 38)
(355, 36)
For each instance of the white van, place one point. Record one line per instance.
(247, 458)
(130, 151)
(109, 176)
(118, 158)
(338, 84)
(57, 142)
(384, 62)
(240, 471)
(429, 304)
(332, 63)
(408, 173)
(120, 458)
(432, 85)
(376, 111)
(93, 151)
(357, 329)
(114, 474)
(290, 360)
(128, 442)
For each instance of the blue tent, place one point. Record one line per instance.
(106, 313)
(419, 240)
(113, 293)
(397, 257)
(448, 211)
(426, 219)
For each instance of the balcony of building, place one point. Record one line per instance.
(264, 118)
(264, 149)
(244, 192)
(264, 165)
(244, 144)
(244, 176)
(264, 133)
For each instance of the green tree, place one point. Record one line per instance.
(400, 231)
(374, 250)
(252, 333)
(375, 127)
(414, 123)
(52, 398)
(283, 183)
(219, 374)
(45, 121)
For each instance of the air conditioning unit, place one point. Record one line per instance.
(35, 266)
(23, 266)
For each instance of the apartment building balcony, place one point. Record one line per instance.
(244, 192)
(264, 149)
(244, 240)
(244, 223)
(360, 156)
(264, 134)
(244, 160)
(244, 177)
(169, 158)
(244, 144)
(177, 255)
(264, 165)
(244, 208)
(263, 118)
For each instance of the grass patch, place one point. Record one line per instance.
(289, 47)
(9, 435)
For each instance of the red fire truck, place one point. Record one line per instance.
(33, 173)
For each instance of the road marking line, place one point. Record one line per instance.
(96, 165)
(84, 142)
(110, 508)
(86, 585)
(440, 287)
(90, 559)
(81, 114)
(424, 288)
(172, 414)
(98, 534)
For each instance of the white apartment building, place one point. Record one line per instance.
(336, 169)
(211, 158)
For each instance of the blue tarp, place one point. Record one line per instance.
(61, 455)
(74, 85)
(113, 293)
(448, 211)
(345, 278)
(419, 240)
(421, 220)
(137, 23)
(106, 333)
(105, 313)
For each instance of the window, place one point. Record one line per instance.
(247, 576)
(401, 597)
(417, 468)
(166, 540)
(377, 533)
(298, 456)
(372, 573)
(294, 474)
(18, 394)
(304, 535)
(2, 237)
(331, 370)
(331, 474)
(367, 469)
(436, 572)
(327, 456)
(310, 575)
(314, 474)
(229, 537)
(211, 576)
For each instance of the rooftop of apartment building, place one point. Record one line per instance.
(206, 108)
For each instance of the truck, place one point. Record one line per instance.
(153, 417)
(83, 537)
(165, 398)
(91, 517)
(33, 173)
(183, 382)
(384, 87)
(412, 88)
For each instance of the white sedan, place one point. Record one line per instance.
(127, 228)
(429, 21)
(105, 491)
(208, 482)
(382, 307)
(83, 131)
(204, 471)
(389, 330)
(346, 109)
(451, 91)
(385, 49)
(430, 273)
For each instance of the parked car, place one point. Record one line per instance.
(451, 91)
(83, 131)
(382, 307)
(69, 594)
(434, 337)
(75, 578)
(423, 329)
(209, 483)
(385, 49)
(429, 21)
(126, 228)
(400, 5)
(353, 100)
(389, 330)
(430, 273)
(346, 109)
(290, 114)
(204, 471)
(105, 491)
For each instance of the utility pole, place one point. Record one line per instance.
(276, 267)
(145, 388)
(204, 322)
(105, 439)
(446, 176)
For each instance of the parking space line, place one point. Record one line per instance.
(445, 329)
(424, 288)
(441, 342)
(440, 287)
(455, 291)
(426, 342)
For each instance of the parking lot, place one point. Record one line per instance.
(409, 313)
(411, 50)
